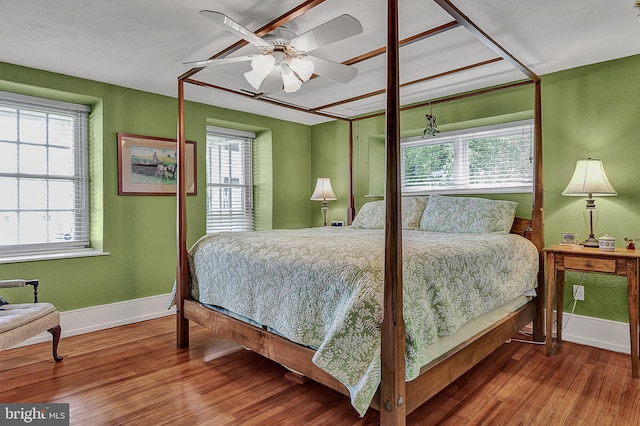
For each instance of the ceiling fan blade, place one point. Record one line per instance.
(219, 61)
(237, 29)
(333, 70)
(337, 29)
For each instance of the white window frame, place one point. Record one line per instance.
(459, 140)
(79, 236)
(226, 218)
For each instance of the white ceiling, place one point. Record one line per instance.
(142, 44)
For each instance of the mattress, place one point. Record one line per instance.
(323, 287)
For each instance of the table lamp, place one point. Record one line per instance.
(590, 179)
(323, 192)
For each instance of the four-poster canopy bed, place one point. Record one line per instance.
(396, 397)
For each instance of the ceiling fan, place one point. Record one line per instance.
(284, 61)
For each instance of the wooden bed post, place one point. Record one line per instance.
(351, 208)
(182, 267)
(392, 385)
(537, 215)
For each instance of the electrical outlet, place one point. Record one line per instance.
(578, 292)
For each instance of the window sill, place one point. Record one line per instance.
(35, 257)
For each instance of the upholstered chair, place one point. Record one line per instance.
(21, 321)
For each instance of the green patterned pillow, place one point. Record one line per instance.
(372, 215)
(412, 210)
(468, 215)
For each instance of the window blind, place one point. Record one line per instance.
(487, 159)
(229, 180)
(43, 175)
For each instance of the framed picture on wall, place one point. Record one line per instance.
(147, 165)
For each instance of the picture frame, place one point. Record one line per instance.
(147, 165)
(570, 238)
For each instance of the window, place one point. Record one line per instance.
(43, 175)
(487, 159)
(229, 182)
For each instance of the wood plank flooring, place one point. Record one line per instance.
(134, 375)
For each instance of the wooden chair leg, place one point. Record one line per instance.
(55, 332)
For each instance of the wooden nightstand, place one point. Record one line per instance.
(620, 262)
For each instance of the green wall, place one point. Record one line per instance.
(330, 158)
(593, 111)
(590, 111)
(138, 232)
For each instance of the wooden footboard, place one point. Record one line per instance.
(283, 351)
(442, 371)
(434, 376)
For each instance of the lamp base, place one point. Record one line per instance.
(590, 242)
(324, 209)
(591, 216)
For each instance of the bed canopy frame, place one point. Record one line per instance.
(396, 398)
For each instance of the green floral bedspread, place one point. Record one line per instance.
(323, 287)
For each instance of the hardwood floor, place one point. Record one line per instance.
(134, 375)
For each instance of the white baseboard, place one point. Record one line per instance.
(96, 318)
(600, 333)
(596, 332)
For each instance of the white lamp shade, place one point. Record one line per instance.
(323, 191)
(291, 82)
(255, 78)
(261, 67)
(304, 69)
(590, 179)
(263, 63)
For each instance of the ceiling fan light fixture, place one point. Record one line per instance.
(302, 68)
(284, 55)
